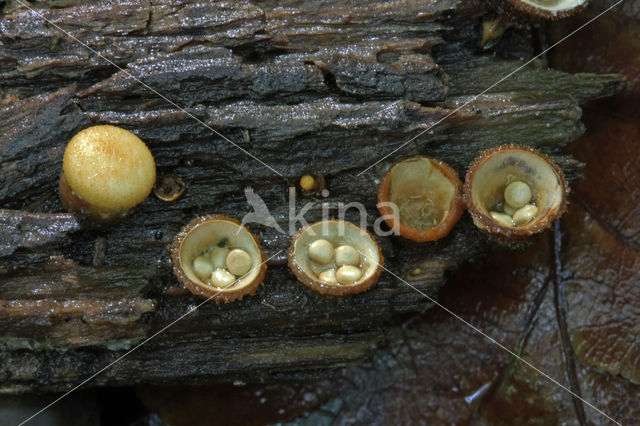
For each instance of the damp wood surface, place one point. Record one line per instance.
(327, 88)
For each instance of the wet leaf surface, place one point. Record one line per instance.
(250, 404)
(603, 233)
(611, 148)
(603, 297)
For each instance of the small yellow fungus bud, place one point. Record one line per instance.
(106, 172)
(308, 182)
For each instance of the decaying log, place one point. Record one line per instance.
(33, 230)
(328, 88)
(82, 306)
(189, 359)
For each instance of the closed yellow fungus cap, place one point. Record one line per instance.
(108, 169)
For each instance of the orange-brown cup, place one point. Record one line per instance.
(205, 233)
(494, 169)
(428, 195)
(338, 233)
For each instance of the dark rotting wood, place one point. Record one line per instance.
(321, 87)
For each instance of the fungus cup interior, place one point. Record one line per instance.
(500, 169)
(212, 233)
(549, 8)
(426, 193)
(338, 233)
(422, 193)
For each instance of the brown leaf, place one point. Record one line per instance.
(603, 234)
(611, 188)
(229, 404)
(603, 297)
(611, 147)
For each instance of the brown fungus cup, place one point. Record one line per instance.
(547, 9)
(335, 257)
(214, 256)
(513, 192)
(106, 172)
(427, 194)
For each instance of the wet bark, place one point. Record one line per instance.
(307, 87)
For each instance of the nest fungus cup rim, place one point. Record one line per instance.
(297, 248)
(446, 224)
(169, 187)
(255, 277)
(555, 9)
(547, 214)
(106, 172)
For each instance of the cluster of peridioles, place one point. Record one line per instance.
(511, 192)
